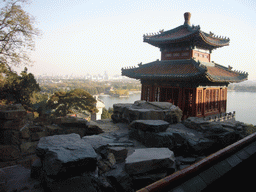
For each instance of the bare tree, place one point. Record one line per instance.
(17, 33)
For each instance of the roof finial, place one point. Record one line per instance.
(187, 17)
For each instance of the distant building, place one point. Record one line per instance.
(99, 105)
(185, 75)
(106, 77)
(109, 89)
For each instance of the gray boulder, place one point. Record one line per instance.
(142, 110)
(120, 179)
(66, 155)
(85, 183)
(98, 141)
(148, 159)
(150, 125)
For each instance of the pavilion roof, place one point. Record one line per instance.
(185, 70)
(186, 33)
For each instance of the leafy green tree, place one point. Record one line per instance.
(79, 100)
(17, 33)
(19, 88)
(106, 113)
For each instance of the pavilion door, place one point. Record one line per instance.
(188, 102)
(199, 102)
(169, 94)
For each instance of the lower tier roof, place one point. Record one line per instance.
(185, 70)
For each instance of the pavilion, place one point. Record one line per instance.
(185, 75)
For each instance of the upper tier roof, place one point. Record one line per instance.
(185, 70)
(186, 33)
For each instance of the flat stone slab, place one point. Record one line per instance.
(58, 152)
(98, 141)
(150, 125)
(148, 159)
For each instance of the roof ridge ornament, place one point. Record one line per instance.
(187, 17)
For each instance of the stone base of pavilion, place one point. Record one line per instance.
(126, 156)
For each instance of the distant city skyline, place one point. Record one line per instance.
(88, 76)
(84, 36)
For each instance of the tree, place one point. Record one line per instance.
(79, 100)
(17, 33)
(19, 88)
(106, 114)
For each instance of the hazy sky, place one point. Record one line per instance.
(91, 36)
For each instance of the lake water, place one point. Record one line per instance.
(244, 103)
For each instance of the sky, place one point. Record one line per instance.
(93, 36)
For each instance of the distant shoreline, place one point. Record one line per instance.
(241, 91)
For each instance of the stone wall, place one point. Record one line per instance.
(19, 135)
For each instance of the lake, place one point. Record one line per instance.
(244, 103)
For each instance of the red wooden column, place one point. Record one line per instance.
(142, 92)
(194, 103)
(204, 101)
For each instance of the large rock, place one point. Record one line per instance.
(171, 139)
(72, 122)
(196, 123)
(102, 126)
(15, 111)
(98, 142)
(28, 147)
(15, 124)
(150, 125)
(163, 139)
(66, 155)
(17, 178)
(9, 152)
(200, 146)
(10, 137)
(120, 153)
(25, 133)
(53, 130)
(85, 183)
(148, 159)
(119, 179)
(142, 110)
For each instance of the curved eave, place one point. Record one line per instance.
(158, 76)
(218, 79)
(196, 71)
(209, 40)
(158, 40)
(215, 43)
(225, 75)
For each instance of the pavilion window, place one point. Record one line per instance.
(188, 102)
